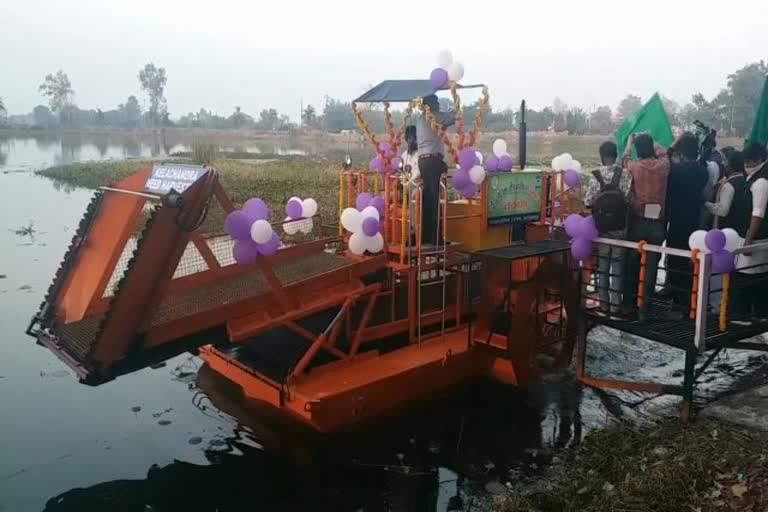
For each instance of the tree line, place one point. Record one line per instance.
(731, 111)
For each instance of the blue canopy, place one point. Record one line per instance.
(403, 90)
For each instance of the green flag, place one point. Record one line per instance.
(650, 118)
(760, 128)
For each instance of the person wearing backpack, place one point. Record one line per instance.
(608, 197)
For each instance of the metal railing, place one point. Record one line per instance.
(709, 302)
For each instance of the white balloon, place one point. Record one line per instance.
(261, 231)
(456, 71)
(375, 243)
(305, 226)
(562, 162)
(697, 240)
(732, 239)
(477, 174)
(369, 211)
(556, 163)
(290, 228)
(308, 207)
(479, 156)
(445, 59)
(351, 220)
(358, 243)
(576, 165)
(499, 148)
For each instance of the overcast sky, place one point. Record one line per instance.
(276, 53)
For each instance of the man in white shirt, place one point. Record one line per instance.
(733, 185)
(753, 265)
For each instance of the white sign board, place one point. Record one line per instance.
(178, 177)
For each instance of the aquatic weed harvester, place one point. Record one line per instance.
(335, 330)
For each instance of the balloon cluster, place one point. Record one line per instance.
(447, 70)
(572, 168)
(721, 243)
(470, 175)
(500, 160)
(299, 215)
(252, 232)
(364, 226)
(386, 155)
(365, 199)
(582, 231)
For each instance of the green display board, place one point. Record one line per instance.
(513, 196)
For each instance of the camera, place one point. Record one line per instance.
(707, 140)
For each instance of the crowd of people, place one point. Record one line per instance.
(660, 197)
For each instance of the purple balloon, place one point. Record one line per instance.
(572, 178)
(377, 164)
(245, 252)
(396, 162)
(588, 229)
(363, 201)
(467, 158)
(389, 153)
(256, 208)
(470, 190)
(506, 163)
(715, 240)
(384, 147)
(492, 163)
(271, 246)
(293, 209)
(370, 226)
(581, 248)
(723, 262)
(238, 225)
(572, 224)
(438, 77)
(461, 180)
(378, 203)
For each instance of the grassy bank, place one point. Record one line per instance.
(667, 466)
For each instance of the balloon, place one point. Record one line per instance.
(363, 200)
(377, 164)
(470, 190)
(562, 162)
(369, 211)
(576, 166)
(384, 147)
(555, 163)
(715, 240)
(308, 207)
(291, 228)
(357, 243)
(261, 231)
(467, 158)
(271, 246)
(456, 71)
(238, 225)
(499, 148)
(588, 229)
(506, 163)
(722, 262)
(378, 203)
(478, 158)
(375, 243)
(460, 180)
(245, 251)
(492, 163)
(572, 224)
(732, 239)
(572, 178)
(477, 174)
(438, 77)
(370, 226)
(445, 59)
(351, 220)
(581, 248)
(397, 163)
(293, 208)
(697, 240)
(256, 209)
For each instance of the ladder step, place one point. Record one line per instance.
(431, 283)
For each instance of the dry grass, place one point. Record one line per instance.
(668, 466)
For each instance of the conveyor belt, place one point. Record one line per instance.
(78, 338)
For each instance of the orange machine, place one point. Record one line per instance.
(314, 332)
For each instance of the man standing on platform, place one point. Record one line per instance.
(431, 167)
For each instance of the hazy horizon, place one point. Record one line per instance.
(228, 53)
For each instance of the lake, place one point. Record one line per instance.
(178, 438)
